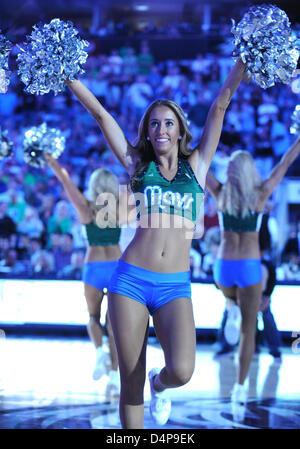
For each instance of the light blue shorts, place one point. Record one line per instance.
(240, 273)
(151, 288)
(98, 274)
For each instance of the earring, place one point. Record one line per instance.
(148, 138)
(180, 137)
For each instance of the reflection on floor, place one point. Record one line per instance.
(47, 384)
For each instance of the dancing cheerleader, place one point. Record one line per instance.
(153, 273)
(103, 251)
(237, 269)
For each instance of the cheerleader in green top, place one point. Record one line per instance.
(237, 269)
(103, 251)
(153, 274)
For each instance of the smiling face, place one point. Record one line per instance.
(163, 130)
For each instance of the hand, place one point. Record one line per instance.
(247, 77)
(53, 163)
(49, 159)
(264, 303)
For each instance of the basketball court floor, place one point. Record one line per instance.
(46, 383)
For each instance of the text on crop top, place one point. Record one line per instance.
(183, 195)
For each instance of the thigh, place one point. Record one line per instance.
(228, 292)
(94, 298)
(175, 329)
(130, 323)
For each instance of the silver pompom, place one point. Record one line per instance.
(265, 42)
(5, 48)
(39, 140)
(295, 119)
(53, 53)
(6, 145)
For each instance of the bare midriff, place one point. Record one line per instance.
(103, 253)
(161, 243)
(239, 245)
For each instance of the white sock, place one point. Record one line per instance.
(158, 384)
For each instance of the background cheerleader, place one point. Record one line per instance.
(237, 269)
(102, 253)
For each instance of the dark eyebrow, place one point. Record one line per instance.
(166, 120)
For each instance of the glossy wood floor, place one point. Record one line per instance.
(47, 384)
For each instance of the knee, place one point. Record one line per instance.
(132, 387)
(248, 326)
(181, 374)
(94, 321)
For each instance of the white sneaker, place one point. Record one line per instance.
(239, 394)
(233, 325)
(102, 361)
(160, 404)
(113, 386)
(238, 402)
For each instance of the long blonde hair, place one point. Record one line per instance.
(239, 194)
(144, 148)
(102, 181)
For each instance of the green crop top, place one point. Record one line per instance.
(102, 236)
(250, 223)
(183, 195)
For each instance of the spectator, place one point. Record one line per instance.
(200, 65)
(247, 117)
(267, 109)
(263, 154)
(60, 220)
(130, 64)
(7, 225)
(210, 216)
(4, 246)
(270, 333)
(292, 245)
(42, 264)
(115, 62)
(23, 247)
(35, 245)
(173, 77)
(74, 269)
(280, 138)
(62, 253)
(46, 209)
(289, 270)
(139, 95)
(11, 265)
(145, 59)
(184, 96)
(154, 77)
(31, 224)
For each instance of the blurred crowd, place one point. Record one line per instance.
(39, 232)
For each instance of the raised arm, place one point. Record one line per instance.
(75, 196)
(213, 185)
(279, 171)
(111, 130)
(202, 156)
